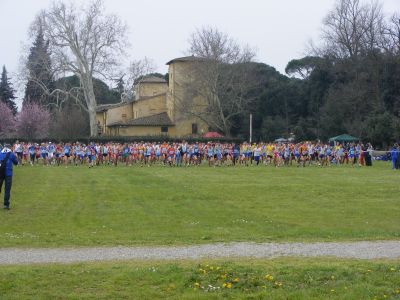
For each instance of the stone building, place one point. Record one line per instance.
(155, 110)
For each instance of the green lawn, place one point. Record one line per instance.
(287, 278)
(78, 206)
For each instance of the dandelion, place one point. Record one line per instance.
(229, 285)
(269, 277)
(224, 285)
(236, 280)
(197, 285)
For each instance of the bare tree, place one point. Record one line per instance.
(69, 123)
(83, 42)
(137, 69)
(392, 34)
(220, 84)
(352, 29)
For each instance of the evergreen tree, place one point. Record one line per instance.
(39, 67)
(7, 91)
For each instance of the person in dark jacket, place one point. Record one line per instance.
(394, 152)
(12, 159)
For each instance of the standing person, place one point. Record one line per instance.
(368, 155)
(18, 149)
(7, 159)
(394, 154)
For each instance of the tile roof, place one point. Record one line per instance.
(161, 119)
(185, 58)
(153, 79)
(105, 107)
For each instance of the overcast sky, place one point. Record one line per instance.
(159, 29)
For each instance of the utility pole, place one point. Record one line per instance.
(251, 126)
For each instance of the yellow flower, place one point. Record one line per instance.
(332, 291)
(392, 269)
(269, 277)
(224, 285)
(236, 280)
(197, 284)
(229, 285)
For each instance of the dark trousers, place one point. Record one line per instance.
(7, 189)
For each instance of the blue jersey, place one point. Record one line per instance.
(51, 148)
(31, 150)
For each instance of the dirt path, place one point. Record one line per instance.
(359, 250)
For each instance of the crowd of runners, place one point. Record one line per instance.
(193, 154)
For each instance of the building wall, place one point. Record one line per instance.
(119, 113)
(149, 107)
(101, 121)
(149, 89)
(181, 76)
(139, 130)
(183, 128)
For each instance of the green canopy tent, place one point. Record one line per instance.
(344, 138)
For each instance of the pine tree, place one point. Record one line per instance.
(7, 91)
(39, 67)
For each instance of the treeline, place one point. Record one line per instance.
(350, 84)
(360, 97)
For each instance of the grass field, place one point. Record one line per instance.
(287, 278)
(78, 206)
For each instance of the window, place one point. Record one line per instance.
(164, 129)
(194, 128)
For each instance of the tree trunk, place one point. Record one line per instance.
(90, 98)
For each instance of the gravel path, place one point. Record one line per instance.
(360, 250)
